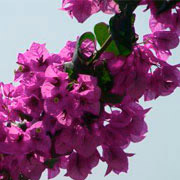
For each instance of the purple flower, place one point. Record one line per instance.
(80, 9)
(163, 81)
(16, 142)
(162, 42)
(116, 159)
(88, 94)
(31, 166)
(79, 167)
(40, 142)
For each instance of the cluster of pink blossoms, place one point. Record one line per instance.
(53, 121)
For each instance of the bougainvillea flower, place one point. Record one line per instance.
(80, 9)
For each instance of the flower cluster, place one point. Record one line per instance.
(50, 121)
(81, 106)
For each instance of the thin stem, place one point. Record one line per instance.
(103, 48)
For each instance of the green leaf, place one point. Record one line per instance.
(25, 116)
(77, 55)
(85, 36)
(50, 163)
(122, 30)
(105, 80)
(164, 5)
(122, 26)
(102, 33)
(69, 68)
(23, 126)
(127, 5)
(70, 86)
(111, 98)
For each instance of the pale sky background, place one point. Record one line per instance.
(25, 21)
